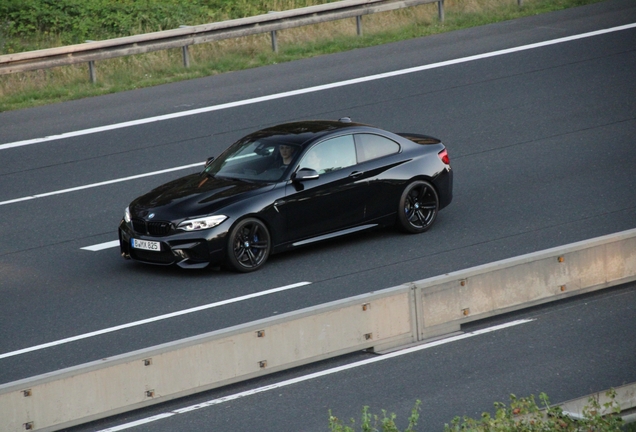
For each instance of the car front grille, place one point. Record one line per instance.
(154, 228)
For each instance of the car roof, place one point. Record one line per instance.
(303, 132)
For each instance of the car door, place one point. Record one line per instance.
(333, 201)
(377, 155)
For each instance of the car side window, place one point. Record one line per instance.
(370, 146)
(331, 155)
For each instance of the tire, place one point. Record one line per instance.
(249, 245)
(419, 205)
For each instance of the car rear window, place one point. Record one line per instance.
(370, 146)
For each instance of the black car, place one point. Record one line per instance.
(287, 186)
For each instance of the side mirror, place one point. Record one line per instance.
(305, 174)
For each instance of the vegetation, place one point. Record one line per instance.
(372, 423)
(522, 415)
(31, 23)
(27, 25)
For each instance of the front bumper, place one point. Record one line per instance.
(188, 250)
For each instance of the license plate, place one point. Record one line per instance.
(145, 244)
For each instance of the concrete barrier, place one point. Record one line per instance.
(122, 383)
(445, 302)
(625, 397)
(382, 320)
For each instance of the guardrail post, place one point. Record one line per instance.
(520, 2)
(440, 10)
(91, 72)
(185, 51)
(273, 33)
(91, 68)
(186, 56)
(274, 41)
(359, 25)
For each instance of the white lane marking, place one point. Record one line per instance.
(94, 185)
(315, 375)
(153, 319)
(314, 89)
(102, 246)
(140, 422)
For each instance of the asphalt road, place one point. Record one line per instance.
(541, 141)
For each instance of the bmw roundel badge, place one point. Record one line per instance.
(151, 215)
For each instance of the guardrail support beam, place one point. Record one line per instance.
(91, 72)
(91, 68)
(440, 10)
(186, 56)
(274, 42)
(185, 51)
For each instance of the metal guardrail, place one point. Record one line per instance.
(382, 320)
(191, 35)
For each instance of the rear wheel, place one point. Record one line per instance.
(419, 205)
(249, 245)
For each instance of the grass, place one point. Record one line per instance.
(36, 88)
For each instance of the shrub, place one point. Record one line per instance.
(522, 415)
(370, 422)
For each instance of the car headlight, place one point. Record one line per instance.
(127, 215)
(201, 223)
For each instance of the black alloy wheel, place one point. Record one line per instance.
(419, 205)
(249, 245)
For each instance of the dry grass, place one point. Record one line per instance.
(70, 82)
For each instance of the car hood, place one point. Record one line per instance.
(194, 195)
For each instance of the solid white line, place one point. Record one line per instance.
(313, 89)
(317, 375)
(153, 319)
(102, 246)
(140, 422)
(93, 185)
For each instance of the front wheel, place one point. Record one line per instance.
(419, 205)
(249, 245)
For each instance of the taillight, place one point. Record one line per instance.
(443, 155)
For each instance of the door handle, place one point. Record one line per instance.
(356, 174)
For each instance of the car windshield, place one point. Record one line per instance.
(254, 159)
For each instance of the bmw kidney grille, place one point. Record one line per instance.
(154, 228)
